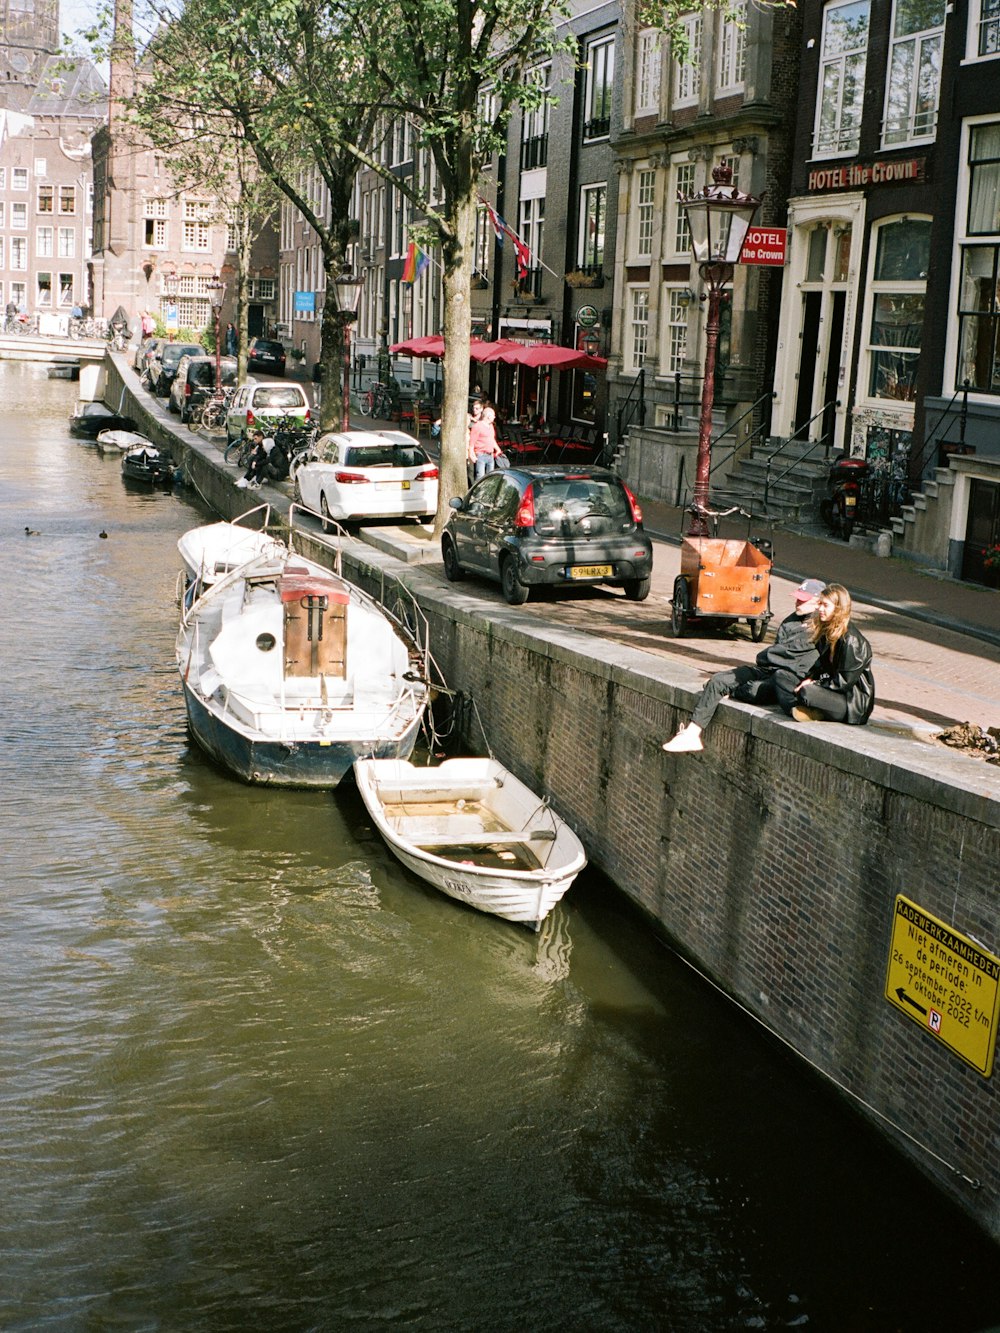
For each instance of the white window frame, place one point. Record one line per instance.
(66, 243)
(637, 326)
(600, 85)
(923, 40)
(731, 63)
(19, 217)
(964, 236)
(837, 61)
(873, 289)
(45, 242)
(674, 330)
(19, 178)
(46, 193)
(648, 72)
(41, 298)
(643, 214)
(19, 254)
(66, 286)
(683, 180)
(687, 76)
(585, 251)
(983, 33)
(67, 195)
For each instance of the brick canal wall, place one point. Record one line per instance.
(773, 860)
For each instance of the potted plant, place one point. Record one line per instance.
(579, 277)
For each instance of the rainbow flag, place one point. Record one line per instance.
(416, 262)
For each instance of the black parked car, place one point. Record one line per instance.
(166, 359)
(563, 526)
(266, 354)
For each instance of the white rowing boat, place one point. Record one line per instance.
(474, 831)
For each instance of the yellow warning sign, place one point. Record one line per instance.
(946, 982)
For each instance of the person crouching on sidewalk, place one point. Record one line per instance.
(841, 687)
(793, 654)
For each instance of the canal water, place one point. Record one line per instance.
(255, 1076)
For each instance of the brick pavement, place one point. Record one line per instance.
(936, 642)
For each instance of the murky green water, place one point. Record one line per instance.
(254, 1076)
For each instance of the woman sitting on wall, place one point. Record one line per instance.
(840, 687)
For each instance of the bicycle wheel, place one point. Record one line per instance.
(366, 403)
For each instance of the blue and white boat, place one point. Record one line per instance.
(291, 672)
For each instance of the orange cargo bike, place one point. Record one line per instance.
(723, 579)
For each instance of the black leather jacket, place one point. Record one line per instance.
(848, 671)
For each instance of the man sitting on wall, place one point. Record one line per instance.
(793, 652)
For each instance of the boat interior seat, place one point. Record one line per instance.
(443, 829)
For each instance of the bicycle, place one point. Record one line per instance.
(377, 401)
(238, 451)
(213, 413)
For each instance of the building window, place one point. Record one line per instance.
(914, 82)
(67, 243)
(648, 71)
(19, 253)
(46, 199)
(66, 289)
(645, 190)
(842, 78)
(67, 199)
(732, 62)
(986, 30)
(637, 329)
(899, 281)
(2, 211)
(19, 294)
(44, 291)
(154, 235)
(600, 81)
(19, 216)
(484, 242)
(687, 64)
(535, 123)
(532, 233)
(675, 351)
(43, 242)
(3, 178)
(196, 228)
(683, 174)
(2, 239)
(19, 178)
(593, 210)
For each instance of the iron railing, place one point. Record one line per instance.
(934, 435)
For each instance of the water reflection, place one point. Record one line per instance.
(255, 1075)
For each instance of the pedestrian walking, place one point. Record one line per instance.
(232, 342)
(148, 324)
(793, 653)
(841, 687)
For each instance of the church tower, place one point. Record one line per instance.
(29, 34)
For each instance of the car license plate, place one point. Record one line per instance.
(392, 485)
(850, 501)
(589, 571)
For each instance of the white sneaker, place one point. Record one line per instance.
(687, 741)
(242, 484)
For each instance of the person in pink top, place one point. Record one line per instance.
(483, 447)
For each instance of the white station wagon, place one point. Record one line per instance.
(368, 474)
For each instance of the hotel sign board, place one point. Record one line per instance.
(764, 245)
(946, 982)
(861, 175)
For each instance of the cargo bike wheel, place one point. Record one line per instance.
(680, 609)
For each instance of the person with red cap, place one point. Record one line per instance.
(793, 654)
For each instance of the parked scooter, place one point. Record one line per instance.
(839, 509)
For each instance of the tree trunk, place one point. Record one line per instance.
(457, 336)
(331, 355)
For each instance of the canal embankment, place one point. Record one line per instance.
(839, 884)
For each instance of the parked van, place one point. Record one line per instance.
(266, 406)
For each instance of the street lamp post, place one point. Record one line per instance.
(216, 293)
(347, 295)
(719, 217)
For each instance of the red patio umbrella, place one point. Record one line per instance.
(541, 354)
(431, 344)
